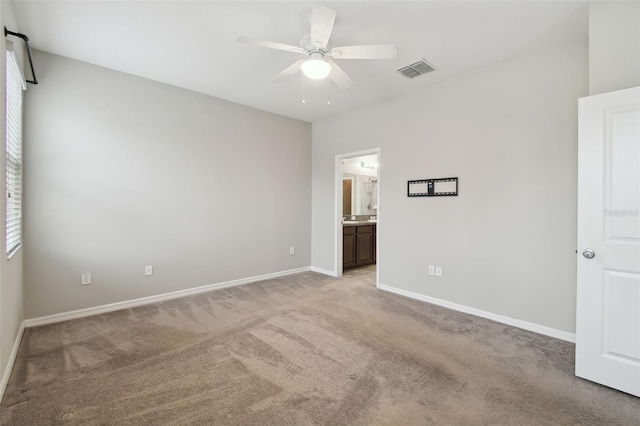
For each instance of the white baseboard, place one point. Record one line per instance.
(102, 309)
(536, 328)
(11, 361)
(324, 271)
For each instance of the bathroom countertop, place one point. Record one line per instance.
(359, 222)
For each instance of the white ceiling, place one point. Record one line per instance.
(193, 44)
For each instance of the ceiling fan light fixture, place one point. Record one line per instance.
(316, 69)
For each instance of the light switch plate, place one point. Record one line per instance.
(432, 270)
(438, 271)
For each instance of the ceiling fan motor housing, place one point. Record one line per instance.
(317, 55)
(309, 46)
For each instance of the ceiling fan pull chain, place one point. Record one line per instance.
(328, 92)
(304, 89)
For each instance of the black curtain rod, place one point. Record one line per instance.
(26, 44)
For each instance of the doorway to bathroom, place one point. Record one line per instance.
(358, 213)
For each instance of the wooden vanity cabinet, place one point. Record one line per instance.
(358, 246)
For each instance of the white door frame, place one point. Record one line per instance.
(338, 209)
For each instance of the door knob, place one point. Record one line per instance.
(589, 254)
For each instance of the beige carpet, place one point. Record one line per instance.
(304, 349)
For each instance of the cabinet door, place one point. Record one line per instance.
(364, 246)
(348, 251)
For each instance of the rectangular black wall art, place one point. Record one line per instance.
(443, 187)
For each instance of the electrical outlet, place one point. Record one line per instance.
(86, 278)
(432, 270)
(438, 271)
(292, 250)
(148, 270)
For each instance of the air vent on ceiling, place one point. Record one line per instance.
(417, 68)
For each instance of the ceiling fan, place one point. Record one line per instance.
(319, 52)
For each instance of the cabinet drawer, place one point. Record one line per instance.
(365, 229)
(348, 230)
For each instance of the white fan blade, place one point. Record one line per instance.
(288, 72)
(322, 20)
(372, 51)
(339, 77)
(271, 45)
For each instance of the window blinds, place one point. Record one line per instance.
(15, 86)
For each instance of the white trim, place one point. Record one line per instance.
(536, 328)
(337, 222)
(324, 271)
(11, 361)
(96, 310)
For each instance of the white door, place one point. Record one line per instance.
(608, 304)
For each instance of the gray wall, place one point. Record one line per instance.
(11, 295)
(507, 242)
(614, 45)
(123, 172)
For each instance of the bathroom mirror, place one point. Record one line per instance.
(360, 186)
